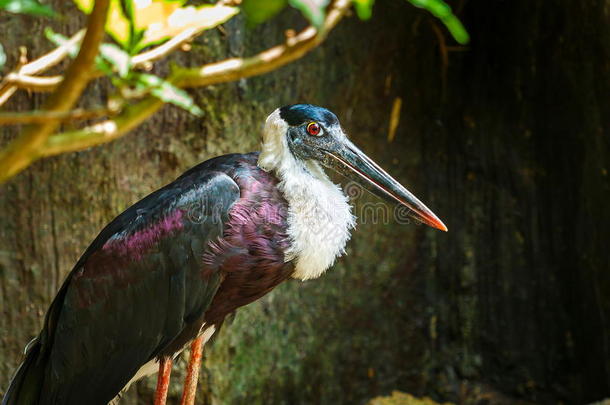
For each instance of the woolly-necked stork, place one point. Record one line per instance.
(167, 271)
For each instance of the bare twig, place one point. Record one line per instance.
(221, 72)
(50, 83)
(6, 92)
(23, 76)
(164, 49)
(36, 83)
(266, 61)
(41, 116)
(52, 58)
(103, 132)
(25, 149)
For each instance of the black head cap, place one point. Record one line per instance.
(297, 114)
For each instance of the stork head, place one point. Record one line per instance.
(301, 136)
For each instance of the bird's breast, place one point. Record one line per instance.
(319, 223)
(251, 254)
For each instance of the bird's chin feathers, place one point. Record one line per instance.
(319, 214)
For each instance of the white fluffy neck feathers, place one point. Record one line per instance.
(319, 214)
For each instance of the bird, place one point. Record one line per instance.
(166, 272)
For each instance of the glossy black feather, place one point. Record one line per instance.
(153, 276)
(297, 114)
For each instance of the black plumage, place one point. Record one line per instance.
(187, 255)
(145, 286)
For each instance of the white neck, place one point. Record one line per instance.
(319, 214)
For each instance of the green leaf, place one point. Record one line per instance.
(364, 8)
(56, 38)
(145, 81)
(32, 7)
(117, 58)
(128, 11)
(443, 12)
(84, 5)
(137, 24)
(167, 92)
(313, 10)
(111, 57)
(162, 26)
(2, 57)
(117, 25)
(59, 39)
(171, 94)
(258, 11)
(456, 29)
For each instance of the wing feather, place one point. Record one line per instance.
(136, 288)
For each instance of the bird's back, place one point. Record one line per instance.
(184, 256)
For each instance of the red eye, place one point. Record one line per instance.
(313, 129)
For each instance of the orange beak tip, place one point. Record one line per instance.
(433, 221)
(440, 226)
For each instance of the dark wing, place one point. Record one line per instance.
(136, 288)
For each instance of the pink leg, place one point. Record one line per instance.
(165, 370)
(192, 375)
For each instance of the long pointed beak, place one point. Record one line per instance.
(351, 162)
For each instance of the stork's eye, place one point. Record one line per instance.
(313, 128)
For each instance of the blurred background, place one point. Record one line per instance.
(507, 139)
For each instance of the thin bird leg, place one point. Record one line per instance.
(165, 370)
(192, 374)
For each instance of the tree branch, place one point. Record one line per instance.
(266, 61)
(24, 80)
(42, 116)
(220, 72)
(26, 148)
(52, 58)
(103, 132)
(23, 77)
(38, 83)
(164, 49)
